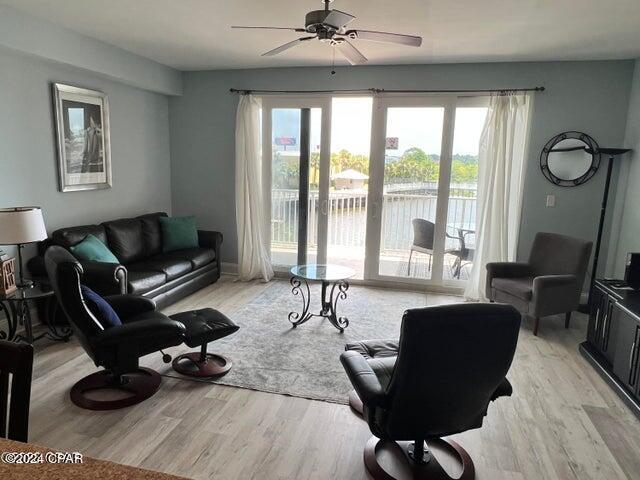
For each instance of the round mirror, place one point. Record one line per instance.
(570, 159)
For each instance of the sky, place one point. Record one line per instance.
(76, 120)
(414, 127)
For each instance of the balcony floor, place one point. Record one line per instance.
(391, 263)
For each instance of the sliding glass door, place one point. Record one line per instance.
(410, 172)
(316, 179)
(349, 181)
(384, 185)
(295, 140)
(460, 239)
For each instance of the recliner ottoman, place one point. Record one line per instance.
(203, 326)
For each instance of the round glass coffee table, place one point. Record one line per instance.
(333, 276)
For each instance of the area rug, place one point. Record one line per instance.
(268, 355)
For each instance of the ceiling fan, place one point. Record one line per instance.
(329, 26)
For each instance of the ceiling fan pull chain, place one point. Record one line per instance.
(333, 60)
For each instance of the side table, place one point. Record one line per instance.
(17, 312)
(333, 276)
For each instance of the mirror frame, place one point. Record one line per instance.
(595, 159)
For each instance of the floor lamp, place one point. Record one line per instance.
(612, 153)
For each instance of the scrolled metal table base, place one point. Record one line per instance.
(17, 312)
(338, 291)
(9, 313)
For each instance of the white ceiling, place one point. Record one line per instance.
(195, 34)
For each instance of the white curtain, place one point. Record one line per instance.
(253, 255)
(500, 182)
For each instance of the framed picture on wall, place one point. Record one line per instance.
(82, 135)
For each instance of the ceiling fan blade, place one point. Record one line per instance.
(410, 40)
(286, 46)
(338, 19)
(351, 53)
(270, 28)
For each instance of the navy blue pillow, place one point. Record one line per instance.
(105, 314)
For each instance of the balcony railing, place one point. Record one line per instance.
(347, 215)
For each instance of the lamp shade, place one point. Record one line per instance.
(20, 225)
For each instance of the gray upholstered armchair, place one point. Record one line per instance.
(548, 284)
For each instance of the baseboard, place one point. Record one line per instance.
(232, 269)
(391, 285)
(229, 268)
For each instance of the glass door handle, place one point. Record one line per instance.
(376, 209)
(323, 208)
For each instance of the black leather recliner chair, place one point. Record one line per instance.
(452, 361)
(117, 349)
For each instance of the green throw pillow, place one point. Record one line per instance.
(92, 249)
(178, 233)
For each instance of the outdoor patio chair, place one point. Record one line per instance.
(423, 234)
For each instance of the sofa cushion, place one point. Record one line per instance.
(67, 237)
(151, 232)
(518, 287)
(142, 281)
(199, 257)
(125, 239)
(92, 249)
(171, 267)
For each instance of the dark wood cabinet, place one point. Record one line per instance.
(601, 323)
(625, 363)
(613, 340)
(598, 297)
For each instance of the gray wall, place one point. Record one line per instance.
(627, 213)
(586, 96)
(43, 39)
(28, 174)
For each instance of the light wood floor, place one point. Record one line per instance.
(562, 422)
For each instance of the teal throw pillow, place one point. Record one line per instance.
(178, 233)
(92, 249)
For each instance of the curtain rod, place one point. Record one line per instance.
(245, 91)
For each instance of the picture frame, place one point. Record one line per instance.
(82, 137)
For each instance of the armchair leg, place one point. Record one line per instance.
(536, 323)
(567, 319)
(409, 264)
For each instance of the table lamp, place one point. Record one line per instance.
(20, 226)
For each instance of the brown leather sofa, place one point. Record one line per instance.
(144, 269)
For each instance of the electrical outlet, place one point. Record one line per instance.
(551, 200)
